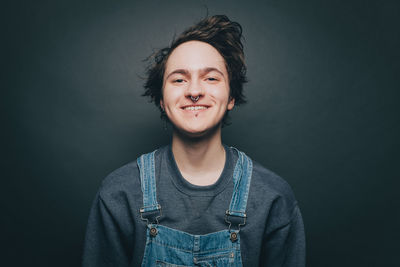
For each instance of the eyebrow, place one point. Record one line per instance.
(210, 69)
(202, 71)
(178, 71)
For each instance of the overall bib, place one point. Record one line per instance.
(169, 247)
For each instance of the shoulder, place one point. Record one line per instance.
(266, 184)
(271, 193)
(271, 183)
(124, 182)
(120, 181)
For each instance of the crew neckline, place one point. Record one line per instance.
(200, 190)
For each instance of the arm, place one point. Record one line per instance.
(105, 244)
(285, 245)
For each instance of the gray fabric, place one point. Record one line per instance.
(273, 234)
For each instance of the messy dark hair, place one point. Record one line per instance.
(220, 32)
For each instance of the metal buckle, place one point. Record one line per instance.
(230, 223)
(147, 220)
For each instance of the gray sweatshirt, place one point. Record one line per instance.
(116, 235)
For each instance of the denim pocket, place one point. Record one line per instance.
(226, 259)
(166, 264)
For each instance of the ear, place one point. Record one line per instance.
(162, 104)
(231, 103)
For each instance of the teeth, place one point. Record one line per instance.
(195, 108)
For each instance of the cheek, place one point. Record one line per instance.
(222, 94)
(170, 96)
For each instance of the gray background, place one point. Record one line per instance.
(322, 112)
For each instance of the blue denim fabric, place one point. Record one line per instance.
(169, 247)
(148, 182)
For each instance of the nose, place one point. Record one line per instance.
(194, 91)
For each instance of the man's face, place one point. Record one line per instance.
(196, 69)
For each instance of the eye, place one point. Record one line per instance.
(178, 81)
(212, 79)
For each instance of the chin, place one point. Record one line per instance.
(198, 132)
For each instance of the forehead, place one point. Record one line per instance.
(195, 55)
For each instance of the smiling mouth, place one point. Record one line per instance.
(195, 108)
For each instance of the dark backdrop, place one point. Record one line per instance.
(322, 112)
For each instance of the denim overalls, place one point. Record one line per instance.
(169, 247)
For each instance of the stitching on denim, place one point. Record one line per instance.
(169, 246)
(243, 167)
(164, 263)
(219, 256)
(235, 247)
(147, 176)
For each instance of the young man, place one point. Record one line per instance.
(196, 202)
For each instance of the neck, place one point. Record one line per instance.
(199, 159)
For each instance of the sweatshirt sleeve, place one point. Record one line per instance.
(104, 244)
(285, 246)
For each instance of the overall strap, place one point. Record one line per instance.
(241, 185)
(148, 184)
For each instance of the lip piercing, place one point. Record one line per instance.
(195, 99)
